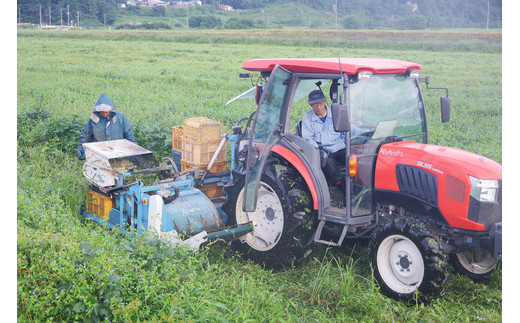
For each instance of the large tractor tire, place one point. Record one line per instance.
(407, 259)
(475, 266)
(284, 222)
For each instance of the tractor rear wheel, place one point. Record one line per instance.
(284, 223)
(475, 266)
(407, 259)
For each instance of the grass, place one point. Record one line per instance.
(69, 269)
(153, 81)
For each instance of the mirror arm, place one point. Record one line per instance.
(427, 81)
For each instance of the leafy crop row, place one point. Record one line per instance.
(69, 269)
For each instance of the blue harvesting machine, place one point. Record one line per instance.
(181, 207)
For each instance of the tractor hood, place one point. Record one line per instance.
(439, 176)
(440, 159)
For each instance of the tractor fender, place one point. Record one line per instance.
(300, 167)
(299, 158)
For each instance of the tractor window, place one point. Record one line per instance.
(382, 106)
(270, 111)
(388, 104)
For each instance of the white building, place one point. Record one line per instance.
(151, 3)
(226, 7)
(184, 4)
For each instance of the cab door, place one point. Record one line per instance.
(265, 132)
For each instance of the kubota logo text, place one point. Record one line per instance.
(390, 152)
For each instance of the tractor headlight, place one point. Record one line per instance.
(414, 73)
(484, 190)
(364, 75)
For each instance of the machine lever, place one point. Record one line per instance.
(219, 148)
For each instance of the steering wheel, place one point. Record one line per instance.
(362, 137)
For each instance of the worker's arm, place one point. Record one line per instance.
(128, 131)
(87, 134)
(307, 131)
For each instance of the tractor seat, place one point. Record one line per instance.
(323, 154)
(299, 128)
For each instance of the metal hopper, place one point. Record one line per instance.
(106, 159)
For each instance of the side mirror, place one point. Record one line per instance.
(445, 108)
(340, 118)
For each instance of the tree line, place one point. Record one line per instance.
(352, 14)
(60, 11)
(370, 14)
(375, 13)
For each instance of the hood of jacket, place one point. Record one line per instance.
(104, 103)
(96, 116)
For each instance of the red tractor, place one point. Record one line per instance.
(417, 204)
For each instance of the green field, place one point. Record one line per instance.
(69, 269)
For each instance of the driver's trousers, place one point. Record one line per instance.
(335, 160)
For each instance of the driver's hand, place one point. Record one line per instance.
(324, 155)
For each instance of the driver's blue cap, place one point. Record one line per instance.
(316, 96)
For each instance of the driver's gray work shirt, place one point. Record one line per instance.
(320, 133)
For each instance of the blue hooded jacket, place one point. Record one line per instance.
(97, 128)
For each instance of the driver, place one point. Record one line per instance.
(318, 129)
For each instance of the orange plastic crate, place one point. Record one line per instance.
(216, 168)
(201, 152)
(211, 190)
(177, 133)
(201, 129)
(98, 204)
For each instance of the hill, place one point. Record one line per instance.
(317, 14)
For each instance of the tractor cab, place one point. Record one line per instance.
(382, 102)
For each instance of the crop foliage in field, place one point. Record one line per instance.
(69, 269)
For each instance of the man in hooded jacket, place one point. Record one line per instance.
(105, 124)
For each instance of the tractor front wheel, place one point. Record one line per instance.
(407, 259)
(476, 266)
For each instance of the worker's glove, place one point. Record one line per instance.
(324, 155)
(80, 153)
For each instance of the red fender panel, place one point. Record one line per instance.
(298, 164)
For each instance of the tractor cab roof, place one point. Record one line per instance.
(331, 65)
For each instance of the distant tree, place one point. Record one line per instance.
(205, 22)
(245, 4)
(239, 23)
(293, 21)
(195, 21)
(260, 23)
(352, 22)
(413, 22)
(158, 11)
(134, 9)
(107, 12)
(210, 22)
(153, 25)
(93, 10)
